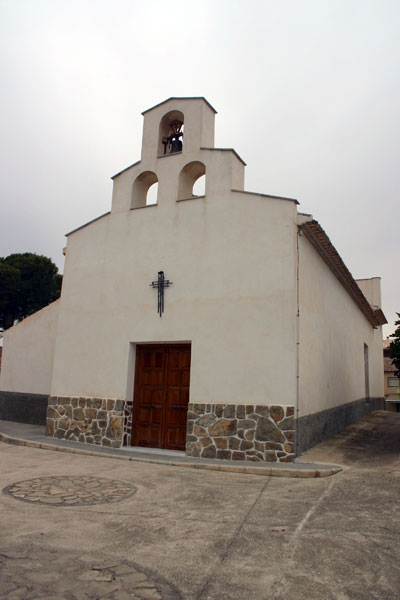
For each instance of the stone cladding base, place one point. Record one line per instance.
(241, 432)
(128, 412)
(222, 431)
(99, 421)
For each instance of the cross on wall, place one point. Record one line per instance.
(161, 284)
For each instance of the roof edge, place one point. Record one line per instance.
(126, 169)
(321, 242)
(180, 98)
(88, 223)
(266, 195)
(225, 150)
(379, 314)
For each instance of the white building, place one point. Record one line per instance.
(266, 343)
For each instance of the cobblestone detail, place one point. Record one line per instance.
(70, 491)
(128, 411)
(51, 574)
(241, 432)
(97, 421)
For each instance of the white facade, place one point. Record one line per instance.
(269, 320)
(27, 364)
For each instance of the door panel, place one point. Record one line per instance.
(161, 396)
(177, 397)
(148, 406)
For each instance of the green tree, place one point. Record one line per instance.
(395, 346)
(28, 282)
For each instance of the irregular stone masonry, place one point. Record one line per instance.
(128, 412)
(241, 432)
(97, 421)
(223, 431)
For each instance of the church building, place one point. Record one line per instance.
(221, 323)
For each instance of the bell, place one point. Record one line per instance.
(176, 145)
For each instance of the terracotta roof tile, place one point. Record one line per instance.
(317, 236)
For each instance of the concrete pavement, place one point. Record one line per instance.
(33, 436)
(204, 535)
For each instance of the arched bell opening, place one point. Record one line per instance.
(171, 133)
(192, 173)
(152, 194)
(199, 188)
(145, 189)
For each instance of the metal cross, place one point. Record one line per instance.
(160, 284)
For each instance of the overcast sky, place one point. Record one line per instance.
(307, 92)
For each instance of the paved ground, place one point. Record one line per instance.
(34, 436)
(193, 534)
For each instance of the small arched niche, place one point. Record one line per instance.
(170, 133)
(199, 188)
(152, 194)
(141, 193)
(190, 174)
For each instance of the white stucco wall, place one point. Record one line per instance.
(224, 171)
(28, 353)
(231, 257)
(371, 288)
(333, 332)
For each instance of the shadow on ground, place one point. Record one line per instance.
(372, 442)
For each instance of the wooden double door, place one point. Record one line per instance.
(161, 396)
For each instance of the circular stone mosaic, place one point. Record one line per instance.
(70, 490)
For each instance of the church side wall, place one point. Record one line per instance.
(27, 367)
(333, 332)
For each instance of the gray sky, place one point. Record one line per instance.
(307, 93)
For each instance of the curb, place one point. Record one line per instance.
(270, 471)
